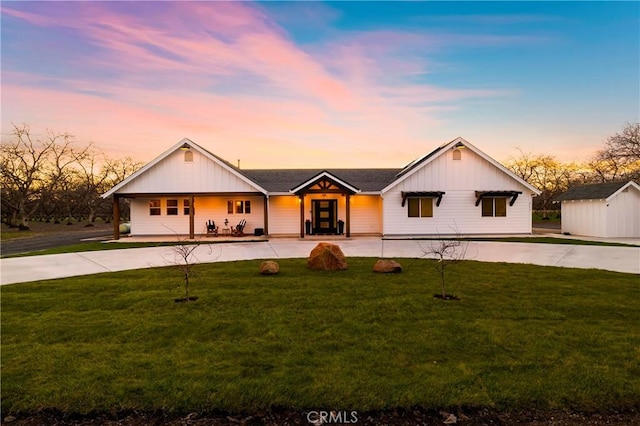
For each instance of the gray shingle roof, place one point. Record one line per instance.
(282, 180)
(591, 192)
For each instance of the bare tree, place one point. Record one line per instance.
(184, 259)
(620, 158)
(446, 252)
(32, 168)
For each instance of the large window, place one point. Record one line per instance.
(154, 208)
(420, 207)
(239, 206)
(494, 207)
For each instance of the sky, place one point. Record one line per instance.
(323, 84)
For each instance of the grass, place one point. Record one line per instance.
(553, 216)
(99, 246)
(521, 336)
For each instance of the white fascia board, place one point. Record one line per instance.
(470, 146)
(171, 150)
(627, 185)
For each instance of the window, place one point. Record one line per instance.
(154, 208)
(239, 206)
(172, 207)
(494, 207)
(186, 206)
(457, 154)
(188, 156)
(420, 207)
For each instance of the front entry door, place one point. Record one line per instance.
(324, 216)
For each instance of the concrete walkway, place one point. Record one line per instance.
(33, 268)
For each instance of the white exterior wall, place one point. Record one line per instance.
(366, 214)
(623, 214)
(206, 208)
(284, 215)
(457, 212)
(584, 217)
(618, 217)
(174, 175)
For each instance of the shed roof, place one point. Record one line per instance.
(598, 191)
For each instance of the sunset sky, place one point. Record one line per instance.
(323, 84)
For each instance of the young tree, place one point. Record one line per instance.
(446, 252)
(184, 259)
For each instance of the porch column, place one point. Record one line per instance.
(266, 215)
(192, 213)
(348, 217)
(301, 215)
(116, 217)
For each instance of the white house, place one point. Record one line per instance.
(602, 210)
(456, 188)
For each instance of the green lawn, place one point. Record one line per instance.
(521, 336)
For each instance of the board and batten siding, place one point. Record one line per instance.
(623, 214)
(617, 218)
(584, 217)
(206, 208)
(175, 175)
(457, 213)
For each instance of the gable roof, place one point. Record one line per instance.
(285, 180)
(288, 180)
(458, 142)
(192, 145)
(598, 191)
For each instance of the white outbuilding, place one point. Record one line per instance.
(609, 210)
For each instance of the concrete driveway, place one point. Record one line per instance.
(34, 268)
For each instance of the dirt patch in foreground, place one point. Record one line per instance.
(284, 417)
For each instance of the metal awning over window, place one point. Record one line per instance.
(425, 194)
(484, 194)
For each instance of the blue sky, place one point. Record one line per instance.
(324, 84)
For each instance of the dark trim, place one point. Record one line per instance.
(424, 194)
(116, 217)
(301, 197)
(484, 194)
(192, 215)
(325, 183)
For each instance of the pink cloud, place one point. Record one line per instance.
(164, 75)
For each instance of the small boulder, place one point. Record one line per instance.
(327, 257)
(269, 267)
(387, 266)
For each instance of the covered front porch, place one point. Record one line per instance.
(193, 214)
(328, 200)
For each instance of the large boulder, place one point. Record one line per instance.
(386, 266)
(327, 257)
(269, 267)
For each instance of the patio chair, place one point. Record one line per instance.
(238, 230)
(212, 229)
